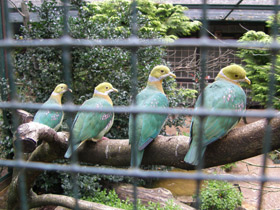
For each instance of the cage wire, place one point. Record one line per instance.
(203, 45)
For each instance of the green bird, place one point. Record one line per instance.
(148, 126)
(93, 125)
(224, 93)
(52, 118)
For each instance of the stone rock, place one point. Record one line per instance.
(146, 195)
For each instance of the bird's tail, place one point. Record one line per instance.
(192, 156)
(138, 156)
(69, 151)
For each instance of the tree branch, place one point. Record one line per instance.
(65, 201)
(241, 143)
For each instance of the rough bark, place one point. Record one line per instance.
(65, 201)
(240, 143)
(156, 195)
(25, 116)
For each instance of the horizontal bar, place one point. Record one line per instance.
(268, 113)
(197, 6)
(135, 42)
(131, 172)
(230, 6)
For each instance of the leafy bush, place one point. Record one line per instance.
(258, 65)
(228, 167)
(220, 195)
(40, 68)
(111, 199)
(48, 182)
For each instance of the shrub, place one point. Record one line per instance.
(111, 199)
(258, 64)
(220, 195)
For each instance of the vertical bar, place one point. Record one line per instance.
(66, 62)
(134, 72)
(271, 92)
(134, 85)
(203, 53)
(3, 68)
(13, 97)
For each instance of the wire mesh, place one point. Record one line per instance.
(133, 43)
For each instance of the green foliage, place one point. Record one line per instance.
(228, 167)
(6, 126)
(220, 195)
(178, 97)
(258, 66)
(48, 182)
(165, 19)
(90, 184)
(275, 156)
(40, 68)
(273, 21)
(6, 139)
(111, 199)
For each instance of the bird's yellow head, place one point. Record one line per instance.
(104, 89)
(234, 73)
(159, 73)
(60, 89)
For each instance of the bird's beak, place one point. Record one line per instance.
(115, 90)
(172, 75)
(247, 80)
(69, 90)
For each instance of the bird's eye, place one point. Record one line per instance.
(162, 71)
(107, 88)
(236, 76)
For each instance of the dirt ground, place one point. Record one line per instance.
(251, 190)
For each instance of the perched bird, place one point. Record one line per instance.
(224, 93)
(52, 118)
(93, 125)
(148, 126)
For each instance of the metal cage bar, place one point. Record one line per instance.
(133, 43)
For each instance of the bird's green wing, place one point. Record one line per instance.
(51, 118)
(89, 125)
(218, 95)
(148, 126)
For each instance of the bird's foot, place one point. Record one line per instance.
(104, 138)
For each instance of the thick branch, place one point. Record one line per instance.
(240, 143)
(65, 201)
